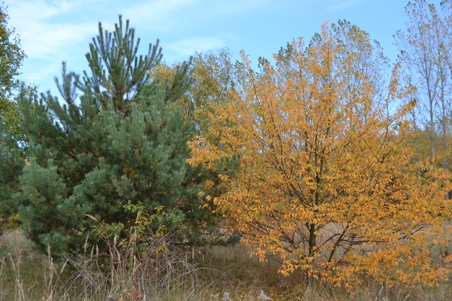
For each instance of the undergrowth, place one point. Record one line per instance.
(147, 264)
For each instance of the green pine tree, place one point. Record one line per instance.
(123, 139)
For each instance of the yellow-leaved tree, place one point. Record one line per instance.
(326, 181)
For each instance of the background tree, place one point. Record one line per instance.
(325, 181)
(11, 161)
(425, 56)
(214, 77)
(123, 140)
(11, 164)
(11, 57)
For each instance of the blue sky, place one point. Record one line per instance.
(53, 31)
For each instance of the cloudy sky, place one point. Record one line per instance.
(53, 31)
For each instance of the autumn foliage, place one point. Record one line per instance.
(326, 181)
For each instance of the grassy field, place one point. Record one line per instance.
(216, 273)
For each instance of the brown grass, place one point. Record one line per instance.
(195, 274)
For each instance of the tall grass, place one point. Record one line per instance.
(158, 272)
(24, 273)
(127, 271)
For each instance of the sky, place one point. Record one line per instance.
(52, 31)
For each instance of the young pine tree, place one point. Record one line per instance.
(123, 140)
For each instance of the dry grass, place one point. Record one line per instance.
(197, 274)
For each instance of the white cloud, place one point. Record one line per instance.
(56, 30)
(47, 40)
(48, 27)
(50, 32)
(33, 10)
(43, 30)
